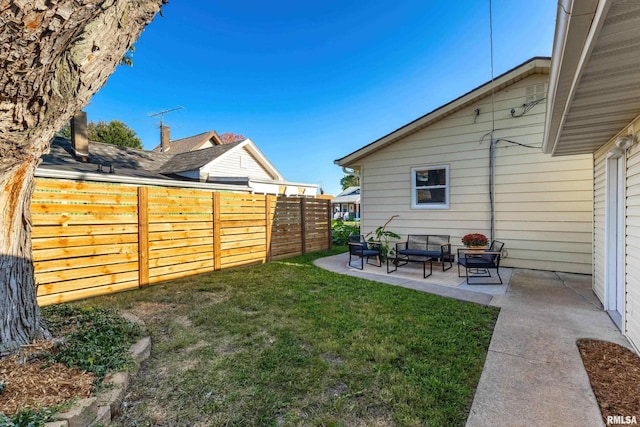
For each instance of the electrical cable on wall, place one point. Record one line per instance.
(526, 108)
(516, 143)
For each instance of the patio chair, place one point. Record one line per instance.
(479, 264)
(359, 247)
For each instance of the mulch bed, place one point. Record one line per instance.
(614, 373)
(30, 381)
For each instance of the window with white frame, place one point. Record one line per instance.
(430, 187)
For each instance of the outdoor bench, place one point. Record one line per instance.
(424, 248)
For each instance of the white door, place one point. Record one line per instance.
(614, 240)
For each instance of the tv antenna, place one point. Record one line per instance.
(163, 112)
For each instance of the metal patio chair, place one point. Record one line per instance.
(359, 247)
(480, 264)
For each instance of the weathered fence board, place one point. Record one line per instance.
(93, 239)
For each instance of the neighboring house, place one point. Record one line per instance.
(347, 201)
(595, 110)
(192, 143)
(238, 166)
(476, 165)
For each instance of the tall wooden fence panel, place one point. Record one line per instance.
(180, 233)
(286, 238)
(85, 239)
(93, 239)
(242, 229)
(317, 224)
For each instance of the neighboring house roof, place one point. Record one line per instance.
(194, 160)
(191, 143)
(532, 66)
(129, 162)
(593, 89)
(349, 195)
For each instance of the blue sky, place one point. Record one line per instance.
(310, 82)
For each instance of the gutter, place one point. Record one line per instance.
(119, 179)
(247, 180)
(297, 184)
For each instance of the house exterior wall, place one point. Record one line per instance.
(237, 163)
(631, 318)
(599, 216)
(543, 205)
(632, 245)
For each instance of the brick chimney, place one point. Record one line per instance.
(165, 138)
(80, 137)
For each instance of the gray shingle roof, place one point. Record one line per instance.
(191, 143)
(193, 160)
(125, 161)
(349, 195)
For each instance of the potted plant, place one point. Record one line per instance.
(381, 237)
(475, 241)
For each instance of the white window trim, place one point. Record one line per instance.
(414, 198)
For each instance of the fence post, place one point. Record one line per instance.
(143, 236)
(216, 232)
(303, 224)
(268, 224)
(329, 216)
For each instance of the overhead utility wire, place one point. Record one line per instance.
(493, 127)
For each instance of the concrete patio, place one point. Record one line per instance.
(533, 374)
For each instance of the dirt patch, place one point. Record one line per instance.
(29, 381)
(614, 373)
(151, 312)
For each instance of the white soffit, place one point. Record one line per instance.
(606, 89)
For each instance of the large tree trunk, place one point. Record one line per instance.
(54, 55)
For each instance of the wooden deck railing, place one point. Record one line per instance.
(93, 239)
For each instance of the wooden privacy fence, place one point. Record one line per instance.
(93, 239)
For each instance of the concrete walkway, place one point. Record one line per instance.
(533, 374)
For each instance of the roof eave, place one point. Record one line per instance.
(578, 24)
(532, 66)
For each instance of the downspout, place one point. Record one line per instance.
(492, 174)
(351, 172)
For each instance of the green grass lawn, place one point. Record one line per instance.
(288, 343)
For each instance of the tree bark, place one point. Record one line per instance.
(54, 55)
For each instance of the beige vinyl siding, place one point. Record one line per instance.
(237, 163)
(544, 209)
(631, 327)
(543, 204)
(632, 245)
(599, 208)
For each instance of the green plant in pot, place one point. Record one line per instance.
(381, 237)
